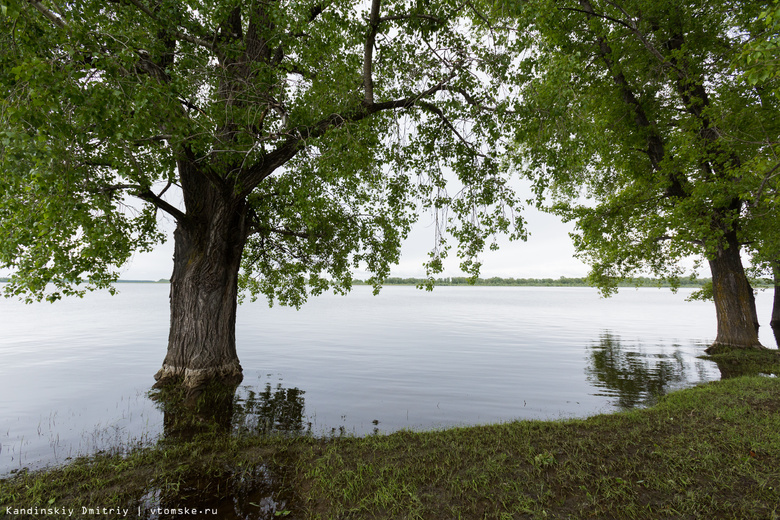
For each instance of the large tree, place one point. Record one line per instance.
(760, 63)
(301, 137)
(641, 125)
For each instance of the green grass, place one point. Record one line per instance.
(708, 452)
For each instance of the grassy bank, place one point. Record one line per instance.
(708, 452)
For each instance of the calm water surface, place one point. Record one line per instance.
(74, 375)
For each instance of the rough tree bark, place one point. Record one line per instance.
(204, 290)
(775, 320)
(735, 304)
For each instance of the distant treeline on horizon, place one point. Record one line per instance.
(496, 281)
(563, 281)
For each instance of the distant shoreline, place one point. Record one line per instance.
(537, 282)
(517, 282)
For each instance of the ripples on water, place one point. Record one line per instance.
(74, 375)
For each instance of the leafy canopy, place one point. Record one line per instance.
(640, 124)
(334, 122)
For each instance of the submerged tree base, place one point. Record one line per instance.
(737, 362)
(194, 381)
(726, 348)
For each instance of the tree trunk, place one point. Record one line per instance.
(204, 290)
(735, 303)
(775, 321)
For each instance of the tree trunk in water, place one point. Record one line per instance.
(775, 321)
(204, 290)
(735, 303)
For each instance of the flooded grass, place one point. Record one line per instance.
(218, 476)
(240, 492)
(746, 362)
(707, 452)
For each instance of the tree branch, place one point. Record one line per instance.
(191, 105)
(368, 53)
(589, 11)
(410, 16)
(253, 175)
(472, 101)
(154, 139)
(315, 11)
(436, 110)
(656, 147)
(150, 197)
(180, 35)
(766, 179)
(58, 20)
(285, 232)
(631, 25)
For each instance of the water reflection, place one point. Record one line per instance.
(233, 410)
(211, 411)
(633, 377)
(279, 410)
(247, 490)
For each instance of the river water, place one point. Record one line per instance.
(74, 375)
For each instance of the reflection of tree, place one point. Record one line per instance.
(636, 379)
(225, 410)
(208, 411)
(246, 490)
(278, 410)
